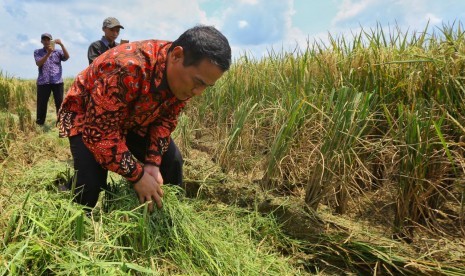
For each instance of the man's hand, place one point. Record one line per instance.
(154, 171)
(148, 188)
(65, 52)
(49, 50)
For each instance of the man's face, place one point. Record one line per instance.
(111, 34)
(45, 41)
(188, 81)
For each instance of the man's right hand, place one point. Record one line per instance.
(148, 189)
(49, 49)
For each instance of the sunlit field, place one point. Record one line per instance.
(339, 158)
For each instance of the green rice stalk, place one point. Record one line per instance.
(349, 117)
(80, 227)
(283, 141)
(13, 221)
(240, 117)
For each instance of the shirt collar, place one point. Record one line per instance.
(160, 80)
(160, 67)
(106, 42)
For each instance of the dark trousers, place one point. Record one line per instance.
(43, 94)
(91, 178)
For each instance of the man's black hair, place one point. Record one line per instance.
(202, 42)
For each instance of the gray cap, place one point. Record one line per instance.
(111, 22)
(46, 35)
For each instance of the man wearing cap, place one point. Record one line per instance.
(111, 28)
(48, 59)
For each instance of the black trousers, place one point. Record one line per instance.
(91, 178)
(43, 94)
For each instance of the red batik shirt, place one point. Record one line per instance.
(124, 89)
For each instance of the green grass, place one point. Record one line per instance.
(47, 233)
(366, 127)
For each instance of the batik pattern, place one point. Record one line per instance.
(124, 89)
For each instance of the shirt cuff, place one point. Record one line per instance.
(137, 175)
(153, 160)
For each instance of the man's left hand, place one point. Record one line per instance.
(154, 171)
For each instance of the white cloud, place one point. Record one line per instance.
(412, 15)
(350, 9)
(432, 18)
(250, 2)
(242, 24)
(252, 26)
(268, 21)
(78, 23)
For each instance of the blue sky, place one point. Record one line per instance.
(252, 26)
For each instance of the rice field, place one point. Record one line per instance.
(338, 158)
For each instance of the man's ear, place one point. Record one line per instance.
(177, 53)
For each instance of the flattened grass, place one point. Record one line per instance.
(47, 233)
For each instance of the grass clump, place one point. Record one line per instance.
(50, 234)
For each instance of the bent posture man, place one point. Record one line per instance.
(121, 110)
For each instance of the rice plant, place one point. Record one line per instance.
(283, 140)
(52, 235)
(232, 145)
(5, 83)
(422, 168)
(350, 114)
(370, 126)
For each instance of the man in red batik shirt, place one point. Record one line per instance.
(121, 110)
